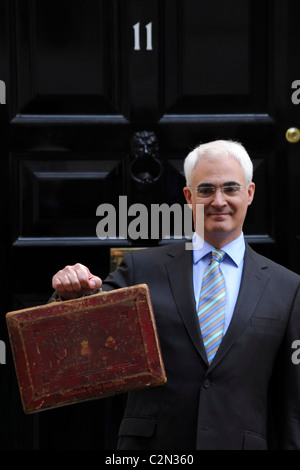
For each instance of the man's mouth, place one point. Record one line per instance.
(218, 214)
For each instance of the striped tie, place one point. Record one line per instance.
(211, 309)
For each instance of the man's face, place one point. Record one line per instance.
(224, 213)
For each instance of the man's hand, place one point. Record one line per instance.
(75, 281)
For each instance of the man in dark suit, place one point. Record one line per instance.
(245, 392)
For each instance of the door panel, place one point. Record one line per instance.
(105, 99)
(65, 58)
(216, 57)
(53, 195)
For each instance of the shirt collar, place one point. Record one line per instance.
(235, 249)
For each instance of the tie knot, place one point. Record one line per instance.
(218, 255)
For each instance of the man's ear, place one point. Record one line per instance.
(251, 191)
(188, 196)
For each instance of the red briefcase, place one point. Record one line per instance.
(87, 348)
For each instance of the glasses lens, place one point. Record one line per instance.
(231, 190)
(205, 191)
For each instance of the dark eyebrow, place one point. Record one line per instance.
(205, 185)
(232, 183)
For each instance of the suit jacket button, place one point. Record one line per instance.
(206, 383)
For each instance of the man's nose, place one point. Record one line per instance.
(218, 198)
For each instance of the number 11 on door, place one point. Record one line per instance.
(136, 33)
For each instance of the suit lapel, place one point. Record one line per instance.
(180, 272)
(253, 282)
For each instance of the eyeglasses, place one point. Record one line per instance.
(204, 191)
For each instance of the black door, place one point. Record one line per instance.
(104, 99)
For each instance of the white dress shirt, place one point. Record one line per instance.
(231, 266)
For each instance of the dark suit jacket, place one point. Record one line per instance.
(248, 398)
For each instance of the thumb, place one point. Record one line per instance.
(94, 282)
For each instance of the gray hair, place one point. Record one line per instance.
(212, 149)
